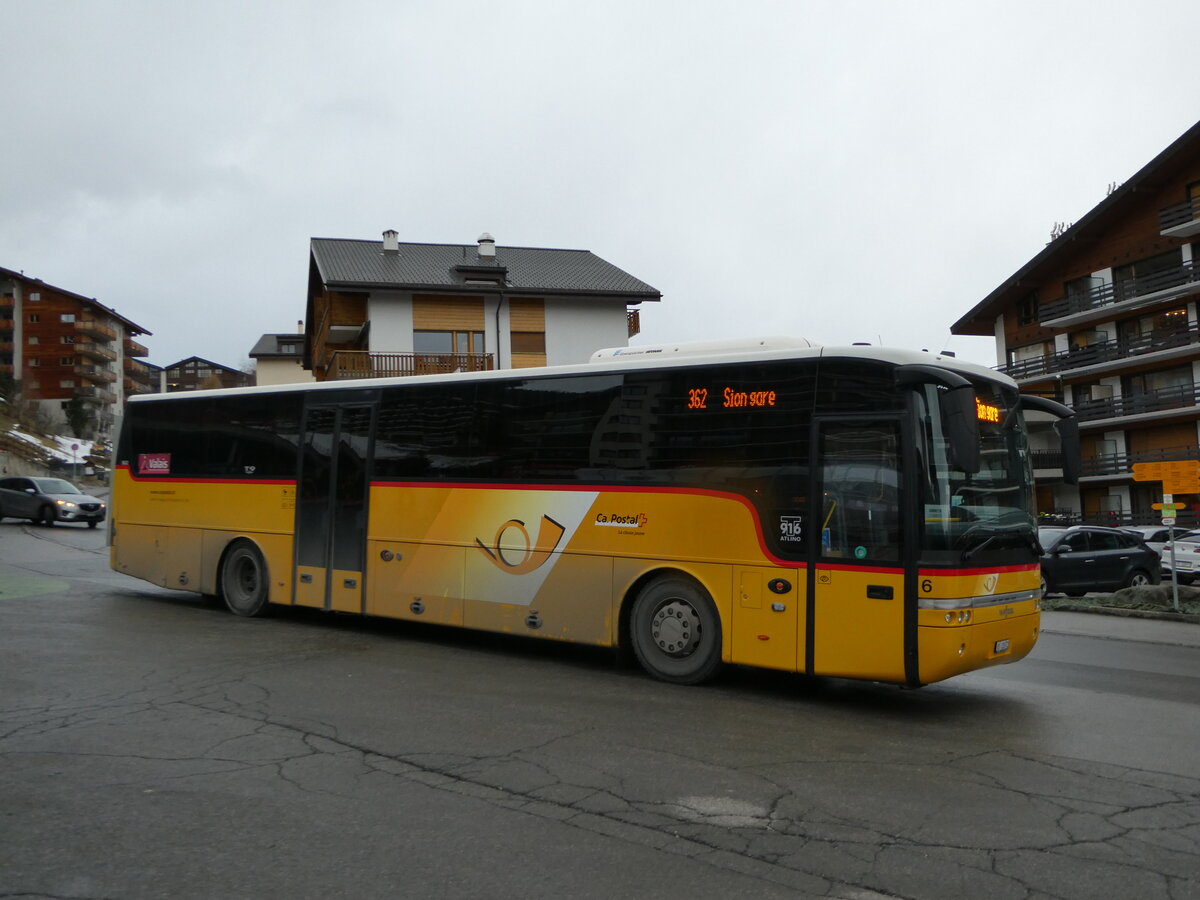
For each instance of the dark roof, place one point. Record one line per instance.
(1114, 208)
(203, 361)
(268, 345)
(133, 327)
(362, 265)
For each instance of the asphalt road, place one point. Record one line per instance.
(152, 746)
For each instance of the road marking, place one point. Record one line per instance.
(20, 587)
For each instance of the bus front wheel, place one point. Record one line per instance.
(676, 632)
(244, 582)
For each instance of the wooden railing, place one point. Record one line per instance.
(1180, 214)
(346, 364)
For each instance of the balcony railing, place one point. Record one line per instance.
(138, 387)
(1182, 397)
(90, 392)
(94, 350)
(1047, 459)
(1122, 463)
(95, 373)
(95, 329)
(1104, 351)
(635, 321)
(133, 348)
(344, 364)
(1119, 291)
(139, 371)
(1182, 214)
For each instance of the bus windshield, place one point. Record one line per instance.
(970, 517)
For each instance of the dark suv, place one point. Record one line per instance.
(1090, 558)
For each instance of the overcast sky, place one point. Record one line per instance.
(843, 171)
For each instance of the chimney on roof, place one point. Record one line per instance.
(390, 244)
(487, 246)
(300, 326)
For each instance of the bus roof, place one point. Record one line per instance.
(618, 359)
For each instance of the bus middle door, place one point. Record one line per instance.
(857, 621)
(331, 502)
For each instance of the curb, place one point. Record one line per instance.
(1161, 616)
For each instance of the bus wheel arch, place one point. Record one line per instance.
(243, 579)
(671, 625)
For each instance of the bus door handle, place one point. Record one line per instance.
(880, 591)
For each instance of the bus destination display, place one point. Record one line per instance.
(728, 398)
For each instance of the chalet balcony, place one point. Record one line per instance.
(7, 323)
(347, 364)
(6, 346)
(96, 373)
(1175, 398)
(635, 321)
(1181, 220)
(1172, 282)
(95, 351)
(91, 392)
(1104, 351)
(95, 329)
(139, 371)
(133, 348)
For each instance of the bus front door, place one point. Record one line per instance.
(331, 504)
(857, 621)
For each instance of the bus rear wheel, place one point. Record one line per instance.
(675, 631)
(244, 581)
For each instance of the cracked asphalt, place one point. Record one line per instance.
(153, 746)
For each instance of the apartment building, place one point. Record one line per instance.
(1105, 320)
(74, 359)
(386, 308)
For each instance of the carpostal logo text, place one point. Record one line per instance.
(621, 520)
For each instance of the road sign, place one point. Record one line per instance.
(1180, 476)
(1168, 520)
(1167, 507)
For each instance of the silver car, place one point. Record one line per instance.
(48, 500)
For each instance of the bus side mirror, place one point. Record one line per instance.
(1067, 427)
(962, 427)
(956, 402)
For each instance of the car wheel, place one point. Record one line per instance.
(675, 631)
(244, 580)
(1044, 588)
(46, 516)
(92, 523)
(1138, 578)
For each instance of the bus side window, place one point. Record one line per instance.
(861, 513)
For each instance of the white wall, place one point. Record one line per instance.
(575, 329)
(391, 317)
(281, 371)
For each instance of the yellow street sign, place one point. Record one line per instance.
(1181, 476)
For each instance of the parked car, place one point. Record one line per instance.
(1187, 549)
(48, 500)
(1091, 558)
(1156, 536)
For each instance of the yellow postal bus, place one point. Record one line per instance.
(855, 512)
